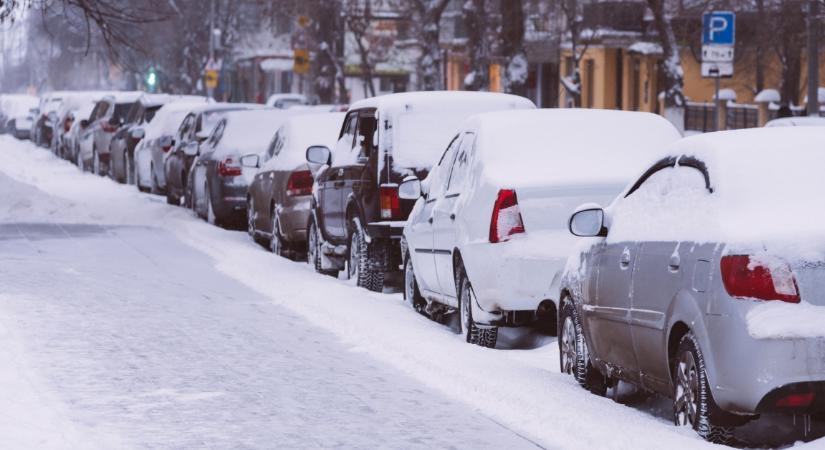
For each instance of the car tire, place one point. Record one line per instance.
(362, 260)
(154, 189)
(473, 334)
(130, 174)
(210, 211)
(693, 403)
(171, 199)
(276, 244)
(314, 251)
(412, 295)
(574, 357)
(250, 219)
(95, 162)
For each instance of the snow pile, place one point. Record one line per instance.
(302, 132)
(820, 93)
(768, 95)
(645, 48)
(780, 320)
(726, 94)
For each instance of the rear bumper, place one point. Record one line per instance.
(294, 218)
(795, 398)
(391, 230)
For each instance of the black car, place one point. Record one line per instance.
(126, 138)
(194, 129)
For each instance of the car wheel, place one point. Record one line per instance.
(130, 175)
(473, 334)
(411, 293)
(574, 357)
(210, 211)
(250, 218)
(276, 243)
(361, 264)
(95, 162)
(155, 189)
(171, 199)
(693, 403)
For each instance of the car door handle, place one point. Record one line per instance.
(674, 263)
(624, 261)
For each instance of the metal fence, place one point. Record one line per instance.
(742, 116)
(699, 117)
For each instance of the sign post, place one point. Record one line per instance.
(718, 39)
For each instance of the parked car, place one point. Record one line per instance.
(109, 114)
(159, 138)
(225, 167)
(488, 235)
(20, 127)
(284, 101)
(278, 202)
(42, 128)
(81, 119)
(14, 106)
(176, 164)
(122, 147)
(702, 281)
(64, 117)
(357, 213)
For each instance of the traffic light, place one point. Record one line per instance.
(151, 79)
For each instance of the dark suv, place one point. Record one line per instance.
(358, 218)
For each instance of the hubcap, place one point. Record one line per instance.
(568, 346)
(687, 390)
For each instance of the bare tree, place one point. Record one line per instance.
(579, 42)
(426, 15)
(474, 13)
(512, 47)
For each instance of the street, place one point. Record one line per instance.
(127, 323)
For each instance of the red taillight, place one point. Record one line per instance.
(299, 183)
(390, 206)
(796, 400)
(229, 167)
(506, 220)
(771, 279)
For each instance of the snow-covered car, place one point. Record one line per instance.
(43, 123)
(356, 211)
(15, 106)
(223, 171)
(64, 118)
(797, 122)
(488, 235)
(285, 101)
(109, 114)
(703, 281)
(158, 139)
(21, 126)
(279, 196)
(194, 129)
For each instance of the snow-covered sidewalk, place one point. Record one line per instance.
(196, 343)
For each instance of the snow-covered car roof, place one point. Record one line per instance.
(797, 122)
(275, 98)
(568, 146)
(125, 96)
(765, 182)
(423, 123)
(301, 132)
(168, 118)
(13, 105)
(249, 131)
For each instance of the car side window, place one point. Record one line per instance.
(347, 138)
(667, 203)
(364, 136)
(217, 134)
(183, 130)
(277, 144)
(440, 175)
(461, 165)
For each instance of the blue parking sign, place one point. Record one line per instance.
(718, 28)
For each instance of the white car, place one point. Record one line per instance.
(286, 101)
(804, 121)
(488, 237)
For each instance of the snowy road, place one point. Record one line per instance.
(126, 323)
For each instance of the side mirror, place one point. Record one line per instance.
(319, 154)
(84, 123)
(166, 141)
(137, 133)
(202, 135)
(588, 223)
(191, 148)
(252, 161)
(410, 189)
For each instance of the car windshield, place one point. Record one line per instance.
(121, 110)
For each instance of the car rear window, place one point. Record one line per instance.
(121, 110)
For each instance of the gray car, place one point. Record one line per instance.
(703, 281)
(224, 169)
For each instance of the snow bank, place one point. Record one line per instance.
(726, 94)
(779, 320)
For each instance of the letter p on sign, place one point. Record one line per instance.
(718, 28)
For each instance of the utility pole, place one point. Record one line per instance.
(813, 57)
(210, 91)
